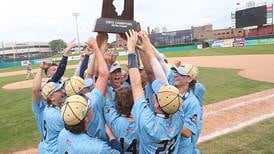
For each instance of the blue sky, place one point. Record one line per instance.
(45, 20)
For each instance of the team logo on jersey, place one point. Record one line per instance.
(107, 110)
(129, 129)
(170, 129)
(194, 118)
(69, 142)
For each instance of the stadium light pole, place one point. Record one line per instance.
(75, 14)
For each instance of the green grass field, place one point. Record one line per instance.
(260, 49)
(18, 128)
(222, 84)
(255, 139)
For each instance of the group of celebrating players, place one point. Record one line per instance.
(147, 107)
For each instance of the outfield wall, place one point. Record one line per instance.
(21, 63)
(216, 44)
(259, 42)
(177, 48)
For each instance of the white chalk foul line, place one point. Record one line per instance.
(239, 104)
(234, 128)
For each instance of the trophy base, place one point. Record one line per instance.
(110, 25)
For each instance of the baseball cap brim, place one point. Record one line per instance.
(88, 82)
(114, 67)
(156, 85)
(56, 86)
(179, 70)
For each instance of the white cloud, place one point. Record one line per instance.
(44, 20)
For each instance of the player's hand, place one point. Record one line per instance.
(132, 38)
(92, 43)
(144, 43)
(177, 63)
(70, 45)
(110, 58)
(102, 39)
(82, 55)
(89, 51)
(44, 65)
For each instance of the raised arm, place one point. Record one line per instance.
(102, 68)
(77, 70)
(101, 39)
(161, 60)
(134, 74)
(37, 81)
(84, 64)
(156, 67)
(145, 46)
(63, 63)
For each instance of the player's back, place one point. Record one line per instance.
(199, 92)
(81, 143)
(123, 128)
(157, 133)
(192, 115)
(160, 137)
(96, 126)
(38, 109)
(53, 124)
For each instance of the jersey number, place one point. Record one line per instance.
(45, 129)
(166, 146)
(132, 147)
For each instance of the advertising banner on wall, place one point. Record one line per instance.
(228, 43)
(218, 44)
(25, 62)
(239, 42)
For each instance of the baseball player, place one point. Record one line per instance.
(29, 71)
(96, 127)
(38, 103)
(74, 139)
(198, 90)
(55, 73)
(52, 121)
(191, 108)
(115, 81)
(159, 131)
(120, 121)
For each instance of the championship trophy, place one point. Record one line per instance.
(111, 22)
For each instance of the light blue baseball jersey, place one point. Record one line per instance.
(38, 109)
(53, 124)
(96, 126)
(192, 115)
(148, 94)
(199, 92)
(157, 134)
(170, 77)
(111, 92)
(81, 144)
(125, 85)
(192, 111)
(123, 128)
